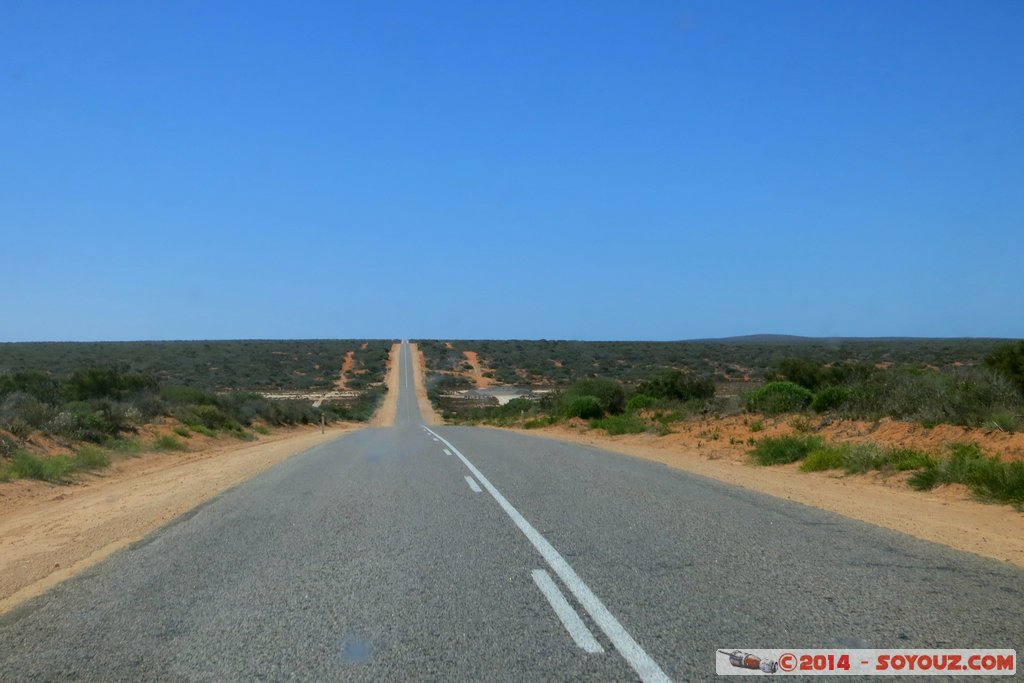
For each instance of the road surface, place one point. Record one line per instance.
(451, 553)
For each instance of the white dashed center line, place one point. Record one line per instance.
(472, 484)
(645, 666)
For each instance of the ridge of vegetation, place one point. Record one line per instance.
(93, 398)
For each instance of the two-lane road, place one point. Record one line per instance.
(450, 553)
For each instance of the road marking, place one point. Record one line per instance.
(570, 620)
(447, 452)
(635, 656)
(472, 484)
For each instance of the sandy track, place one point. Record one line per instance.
(49, 533)
(947, 516)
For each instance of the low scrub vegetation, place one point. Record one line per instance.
(784, 449)
(970, 382)
(100, 410)
(988, 477)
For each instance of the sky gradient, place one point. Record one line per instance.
(584, 170)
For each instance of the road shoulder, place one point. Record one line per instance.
(49, 533)
(945, 517)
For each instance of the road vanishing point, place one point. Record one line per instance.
(434, 553)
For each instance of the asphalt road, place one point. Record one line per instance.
(373, 557)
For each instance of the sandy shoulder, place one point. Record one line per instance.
(947, 516)
(388, 410)
(49, 533)
(419, 366)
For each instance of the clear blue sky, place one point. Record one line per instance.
(591, 170)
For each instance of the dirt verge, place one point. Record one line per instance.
(947, 515)
(419, 374)
(388, 410)
(49, 533)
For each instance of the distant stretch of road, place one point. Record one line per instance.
(454, 553)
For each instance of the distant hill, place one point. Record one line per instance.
(796, 339)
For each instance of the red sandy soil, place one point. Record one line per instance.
(477, 373)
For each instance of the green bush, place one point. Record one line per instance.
(91, 458)
(784, 449)
(609, 394)
(168, 442)
(775, 398)
(639, 402)
(54, 469)
(864, 457)
(586, 407)
(1008, 361)
(110, 383)
(987, 477)
(678, 386)
(1004, 420)
(823, 459)
(620, 424)
(829, 398)
(803, 372)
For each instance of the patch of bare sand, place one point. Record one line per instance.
(49, 533)
(346, 368)
(477, 370)
(419, 374)
(388, 410)
(947, 515)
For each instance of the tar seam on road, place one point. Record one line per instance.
(635, 656)
(566, 614)
(472, 484)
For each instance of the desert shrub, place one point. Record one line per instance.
(609, 394)
(778, 397)
(40, 386)
(187, 395)
(182, 431)
(756, 426)
(639, 402)
(803, 372)
(821, 459)
(586, 407)
(26, 408)
(209, 416)
(864, 457)
(127, 446)
(987, 477)
(168, 442)
(112, 383)
(54, 469)
(801, 424)
(784, 449)
(91, 458)
(8, 446)
(678, 386)
(829, 398)
(620, 424)
(1008, 361)
(1004, 420)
